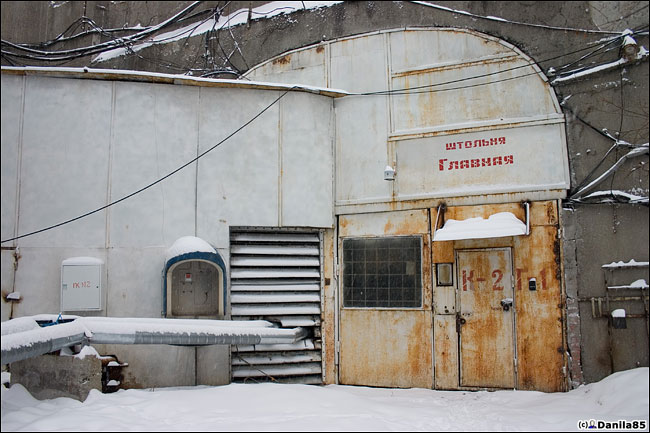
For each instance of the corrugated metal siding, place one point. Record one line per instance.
(276, 276)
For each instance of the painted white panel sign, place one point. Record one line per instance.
(528, 158)
(81, 287)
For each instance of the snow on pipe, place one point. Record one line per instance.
(199, 338)
(40, 348)
(637, 151)
(23, 338)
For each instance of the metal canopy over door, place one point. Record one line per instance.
(486, 318)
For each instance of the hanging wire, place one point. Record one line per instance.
(156, 181)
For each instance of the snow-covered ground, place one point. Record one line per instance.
(275, 407)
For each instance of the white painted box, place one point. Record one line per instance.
(81, 284)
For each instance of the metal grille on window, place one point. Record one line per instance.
(276, 276)
(382, 272)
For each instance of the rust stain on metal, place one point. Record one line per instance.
(427, 281)
(389, 347)
(329, 309)
(487, 336)
(443, 252)
(456, 66)
(284, 60)
(446, 352)
(320, 49)
(374, 344)
(543, 213)
(131, 77)
(539, 314)
(484, 211)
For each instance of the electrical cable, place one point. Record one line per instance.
(156, 181)
(427, 86)
(502, 20)
(626, 16)
(602, 160)
(418, 89)
(85, 51)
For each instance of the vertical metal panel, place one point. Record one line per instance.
(11, 132)
(414, 48)
(133, 288)
(539, 314)
(306, 66)
(154, 132)
(329, 307)
(446, 352)
(237, 183)
(277, 287)
(65, 160)
(487, 336)
(350, 56)
(386, 348)
(307, 176)
(361, 139)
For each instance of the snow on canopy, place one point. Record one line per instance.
(187, 245)
(497, 225)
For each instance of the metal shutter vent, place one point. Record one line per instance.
(276, 276)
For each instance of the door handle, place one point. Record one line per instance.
(506, 304)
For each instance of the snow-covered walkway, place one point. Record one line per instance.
(275, 407)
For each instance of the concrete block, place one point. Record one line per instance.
(52, 376)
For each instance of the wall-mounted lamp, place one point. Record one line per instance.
(389, 173)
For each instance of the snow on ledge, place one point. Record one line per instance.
(186, 245)
(163, 78)
(638, 284)
(631, 264)
(82, 261)
(498, 225)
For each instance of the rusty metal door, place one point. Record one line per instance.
(485, 320)
(385, 316)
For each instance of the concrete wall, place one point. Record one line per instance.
(592, 239)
